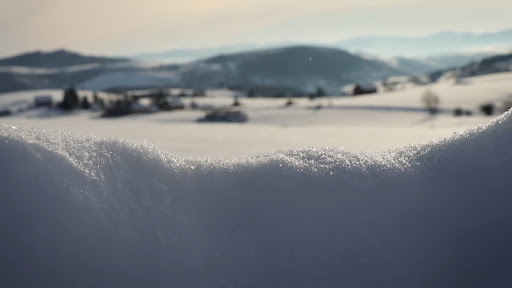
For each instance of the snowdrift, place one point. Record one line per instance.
(89, 212)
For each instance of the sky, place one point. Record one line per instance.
(125, 27)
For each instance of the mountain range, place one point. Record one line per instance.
(291, 68)
(432, 45)
(301, 68)
(442, 50)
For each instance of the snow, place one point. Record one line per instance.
(92, 212)
(159, 200)
(370, 123)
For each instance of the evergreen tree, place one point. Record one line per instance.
(70, 100)
(85, 103)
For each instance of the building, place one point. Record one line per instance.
(43, 101)
(364, 89)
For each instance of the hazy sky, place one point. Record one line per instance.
(132, 26)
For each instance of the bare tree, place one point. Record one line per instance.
(431, 101)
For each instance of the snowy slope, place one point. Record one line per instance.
(89, 212)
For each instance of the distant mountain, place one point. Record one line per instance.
(13, 81)
(55, 69)
(413, 66)
(435, 44)
(188, 55)
(295, 68)
(409, 65)
(441, 50)
(56, 59)
(301, 67)
(456, 60)
(494, 64)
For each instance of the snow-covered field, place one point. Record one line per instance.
(368, 123)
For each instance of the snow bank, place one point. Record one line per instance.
(88, 212)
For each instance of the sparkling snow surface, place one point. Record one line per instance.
(90, 212)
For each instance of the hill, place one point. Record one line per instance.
(56, 59)
(494, 64)
(411, 66)
(53, 79)
(55, 69)
(303, 67)
(447, 61)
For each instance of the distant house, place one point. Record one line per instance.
(171, 103)
(395, 83)
(224, 115)
(360, 89)
(43, 101)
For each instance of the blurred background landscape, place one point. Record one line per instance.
(232, 79)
